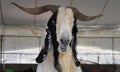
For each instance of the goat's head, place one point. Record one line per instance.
(64, 22)
(64, 26)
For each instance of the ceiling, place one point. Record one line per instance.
(13, 16)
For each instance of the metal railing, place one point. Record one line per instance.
(85, 58)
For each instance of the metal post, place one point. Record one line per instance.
(113, 49)
(1, 66)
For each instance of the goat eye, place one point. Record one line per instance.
(61, 40)
(53, 21)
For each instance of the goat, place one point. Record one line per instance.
(59, 49)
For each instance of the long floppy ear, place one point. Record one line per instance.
(38, 10)
(83, 17)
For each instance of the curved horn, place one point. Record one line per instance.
(38, 10)
(83, 17)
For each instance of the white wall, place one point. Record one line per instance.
(38, 31)
(117, 48)
(92, 48)
(95, 45)
(19, 31)
(117, 44)
(25, 44)
(21, 44)
(20, 49)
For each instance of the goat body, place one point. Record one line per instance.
(66, 61)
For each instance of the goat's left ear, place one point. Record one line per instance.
(42, 56)
(80, 16)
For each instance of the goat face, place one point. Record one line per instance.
(65, 19)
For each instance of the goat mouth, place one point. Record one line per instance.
(63, 49)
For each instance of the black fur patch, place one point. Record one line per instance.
(52, 28)
(73, 43)
(42, 55)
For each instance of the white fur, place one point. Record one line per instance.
(47, 65)
(64, 26)
(66, 61)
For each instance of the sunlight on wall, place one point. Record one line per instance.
(23, 56)
(92, 54)
(22, 50)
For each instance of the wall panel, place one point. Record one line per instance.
(21, 44)
(95, 45)
(117, 44)
(95, 49)
(117, 50)
(20, 49)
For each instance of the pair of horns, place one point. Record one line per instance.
(54, 8)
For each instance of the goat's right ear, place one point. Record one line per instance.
(38, 10)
